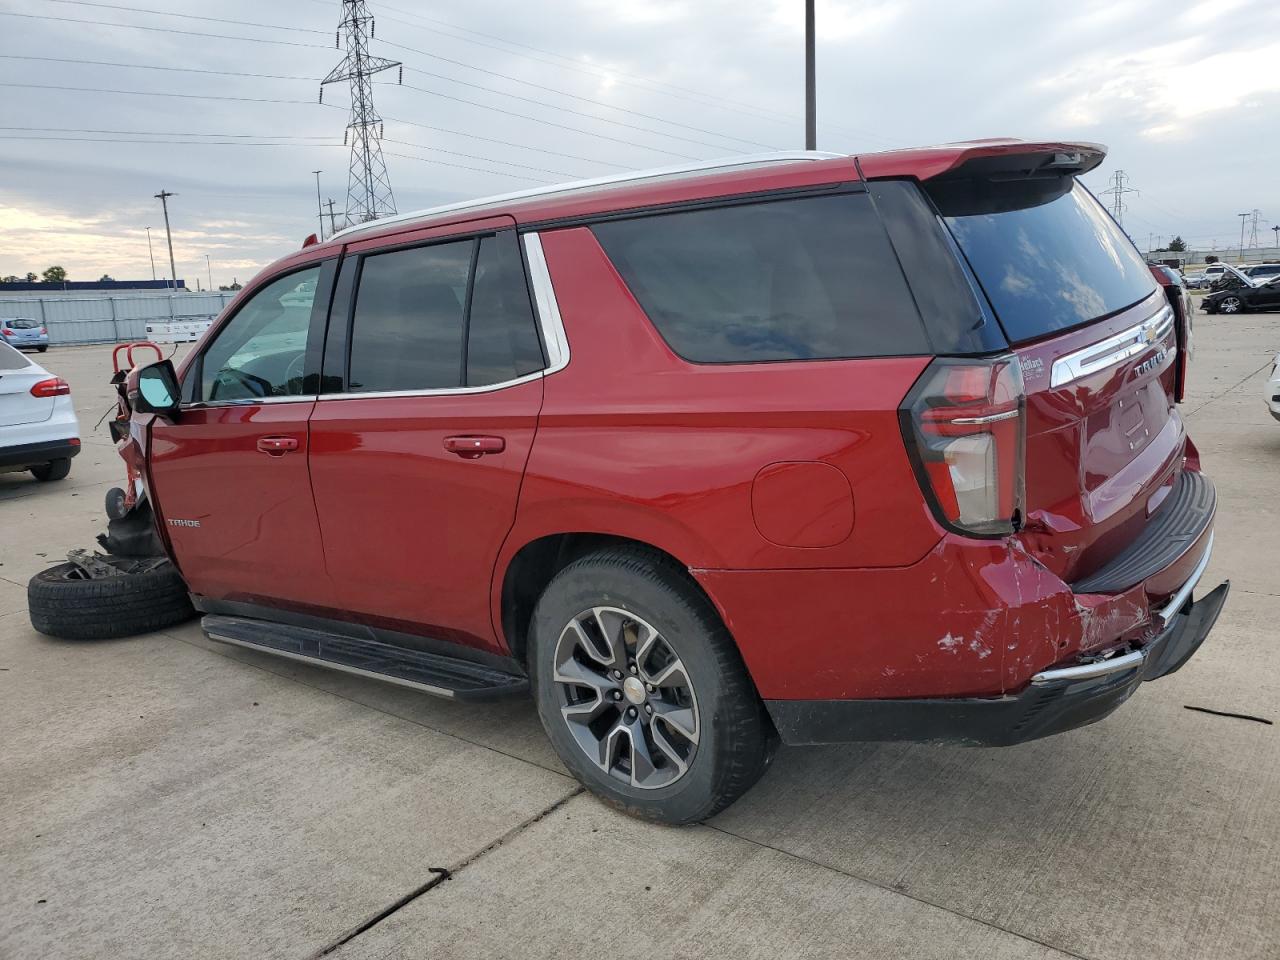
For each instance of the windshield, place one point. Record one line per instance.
(23, 324)
(1045, 252)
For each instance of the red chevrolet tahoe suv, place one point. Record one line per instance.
(802, 447)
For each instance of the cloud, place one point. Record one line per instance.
(702, 79)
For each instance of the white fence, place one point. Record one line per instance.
(113, 319)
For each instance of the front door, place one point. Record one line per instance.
(418, 452)
(229, 476)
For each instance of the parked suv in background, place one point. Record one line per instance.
(804, 447)
(24, 334)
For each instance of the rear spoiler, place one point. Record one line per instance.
(999, 159)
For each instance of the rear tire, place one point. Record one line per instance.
(64, 604)
(53, 470)
(698, 679)
(41, 349)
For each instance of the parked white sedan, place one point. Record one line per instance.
(1273, 388)
(38, 427)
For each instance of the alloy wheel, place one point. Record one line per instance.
(626, 697)
(1230, 305)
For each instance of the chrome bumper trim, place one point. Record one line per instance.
(1135, 659)
(1184, 593)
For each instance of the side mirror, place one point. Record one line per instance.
(156, 390)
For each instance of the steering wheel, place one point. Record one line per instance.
(254, 386)
(288, 371)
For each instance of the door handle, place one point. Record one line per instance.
(277, 446)
(472, 448)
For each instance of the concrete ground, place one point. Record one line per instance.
(165, 796)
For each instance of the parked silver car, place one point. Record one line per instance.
(24, 334)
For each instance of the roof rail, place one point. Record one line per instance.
(634, 176)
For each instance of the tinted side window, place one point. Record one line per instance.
(406, 333)
(261, 352)
(783, 280)
(502, 337)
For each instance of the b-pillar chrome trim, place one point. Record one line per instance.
(544, 298)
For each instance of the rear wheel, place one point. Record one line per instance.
(53, 470)
(642, 690)
(41, 349)
(1231, 305)
(66, 602)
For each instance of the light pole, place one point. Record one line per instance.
(1242, 217)
(1276, 231)
(810, 80)
(151, 254)
(163, 196)
(209, 267)
(319, 208)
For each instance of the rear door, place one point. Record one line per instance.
(1096, 340)
(17, 404)
(418, 444)
(229, 476)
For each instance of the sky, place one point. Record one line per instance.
(501, 96)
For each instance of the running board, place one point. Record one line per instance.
(431, 673)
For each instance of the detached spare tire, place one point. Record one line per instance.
(65, 601)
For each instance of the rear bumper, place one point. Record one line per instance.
(34, 454)
(1055, 700)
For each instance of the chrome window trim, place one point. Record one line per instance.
(548, 308)
(432, 392)
(1116, 349)
(247, 402)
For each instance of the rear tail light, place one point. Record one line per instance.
(965, 425)
(7, 332)
(53, 387)
(44, 332)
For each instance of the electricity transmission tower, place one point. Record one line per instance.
(368, 185)
(1116, 189)
(1253, 228)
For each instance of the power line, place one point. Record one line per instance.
(549, 123)
(189, 16)
(469, 156)
(173, 133)
(188, 33)
(604, 73)
(641, 83)
(459, 166)
(152, 93)
(150, 66)
(271, 76)
(580, 113)
(248, 23)
(563, 93)
(410, 123)
(194, 143)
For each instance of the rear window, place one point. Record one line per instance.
(798, 279)
(1047, 255)
(23, 324)
(11, 359)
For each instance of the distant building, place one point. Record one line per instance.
(85, 286)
